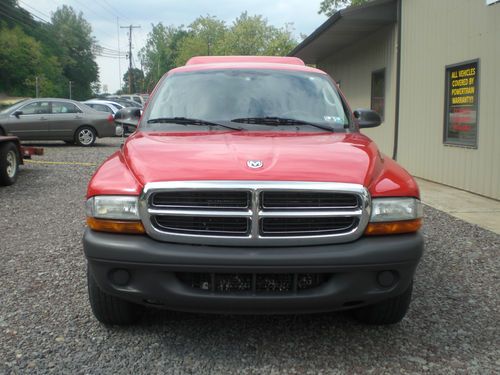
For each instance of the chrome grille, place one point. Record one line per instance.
(254, 213)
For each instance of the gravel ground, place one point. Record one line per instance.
(46, 325)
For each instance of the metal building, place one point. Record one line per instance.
(431, 68)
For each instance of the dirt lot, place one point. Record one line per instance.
(46, 324)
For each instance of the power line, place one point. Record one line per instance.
(18, 21)
(105, 33)
(36, 10)
(115, 11)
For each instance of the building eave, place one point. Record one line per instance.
(344, 28)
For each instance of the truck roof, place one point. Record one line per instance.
(197, 60)
(244, 62)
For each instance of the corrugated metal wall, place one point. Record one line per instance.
(436, 34)
(353, 67)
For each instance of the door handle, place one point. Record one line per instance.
(43, 118)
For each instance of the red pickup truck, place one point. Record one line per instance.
(248, 188)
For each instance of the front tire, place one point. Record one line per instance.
(9, 163)
(85, 136)
(109, 309)
(391, 311)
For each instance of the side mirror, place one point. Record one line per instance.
(18, 113)
(367, 118)
(128, 118)
(128, 113)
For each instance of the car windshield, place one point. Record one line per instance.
(249, 96)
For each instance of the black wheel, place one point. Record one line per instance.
(390, 311)
(9, 163)
(85, 136)
(109, 309)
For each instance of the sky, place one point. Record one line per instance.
(106, 17)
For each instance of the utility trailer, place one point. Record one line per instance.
(12, 154)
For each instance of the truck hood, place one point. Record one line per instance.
(325, 157)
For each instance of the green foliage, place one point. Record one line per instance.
(329, 7)
(54, 52)
(21, 60)
(137, 77)
(206, 36)
(160, 52)
(73, 35)
(168, 47)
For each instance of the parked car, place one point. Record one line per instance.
(134, 97)
(249, 188)
(124, 102)
(103, 105)
(56, 119)
(129, 103)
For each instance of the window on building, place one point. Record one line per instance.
(378, 92)
(461, 105)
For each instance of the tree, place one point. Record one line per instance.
(137, 76)
(22, 60)
(329, 7)
(206, 36)
(161, 51)
(252, 35)
(74, 39)
(168, 47)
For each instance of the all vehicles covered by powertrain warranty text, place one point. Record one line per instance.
(249, 189)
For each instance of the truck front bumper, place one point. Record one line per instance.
(142, 270)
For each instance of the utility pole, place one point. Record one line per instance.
(37, 91)
(130, 27)
(70, 83)
(119, 59)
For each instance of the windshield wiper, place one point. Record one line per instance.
(277, 121)
(188, 121)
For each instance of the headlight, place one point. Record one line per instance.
(116, 207)
(394, 216)
(395, 209)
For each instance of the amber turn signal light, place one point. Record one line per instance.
(115, 226)
(393, 227)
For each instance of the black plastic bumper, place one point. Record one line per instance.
(152, 269)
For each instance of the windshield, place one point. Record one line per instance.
(225, 95)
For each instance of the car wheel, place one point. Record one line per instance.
(109, 309)
(390, 311)
(9, 163)
(85, 136)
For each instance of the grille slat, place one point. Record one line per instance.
(307, 200)
(204, 225)
(253, 283)
(299, 226)
(201, 199)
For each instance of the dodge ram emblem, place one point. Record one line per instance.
(254, 164)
